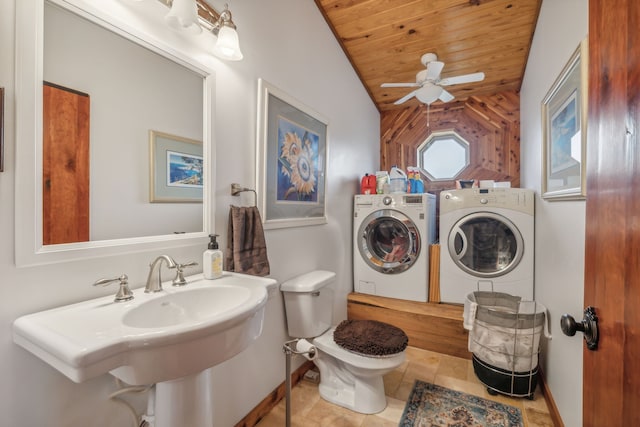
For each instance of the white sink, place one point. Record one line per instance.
(190, 306)
(154, 337)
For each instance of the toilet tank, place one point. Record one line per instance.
(308, 302)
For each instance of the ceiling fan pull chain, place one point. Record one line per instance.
(428, 108)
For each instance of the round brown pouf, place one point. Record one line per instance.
(370, 337)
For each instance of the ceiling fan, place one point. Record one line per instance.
(429, 84)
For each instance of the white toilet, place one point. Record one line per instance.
(348, 379)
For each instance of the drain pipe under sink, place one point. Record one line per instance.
(149, 419)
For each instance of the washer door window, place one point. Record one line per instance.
(389, 241)
(485, 244)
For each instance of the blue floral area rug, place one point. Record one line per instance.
(430, 405)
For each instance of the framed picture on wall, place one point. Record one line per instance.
(564, 131)
(291, 160)
(176, 169)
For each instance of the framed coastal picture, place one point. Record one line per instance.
(176, 166)
(291, 162)
(564, 131)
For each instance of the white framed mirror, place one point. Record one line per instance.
(142, 79)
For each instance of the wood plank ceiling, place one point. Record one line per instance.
(384, 40)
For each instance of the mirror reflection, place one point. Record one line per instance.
(116, 97)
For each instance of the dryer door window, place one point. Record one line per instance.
(486, 244)
(388, 241)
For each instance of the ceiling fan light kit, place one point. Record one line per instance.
(430, 84)
(429, 93)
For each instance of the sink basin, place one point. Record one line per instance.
(153, 338)
(190, 306)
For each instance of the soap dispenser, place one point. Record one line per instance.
(212, 260)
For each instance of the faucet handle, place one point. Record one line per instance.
(124, 292)
(179, 280)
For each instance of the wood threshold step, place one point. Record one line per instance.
(429, 326)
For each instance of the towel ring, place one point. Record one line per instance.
(236, 189)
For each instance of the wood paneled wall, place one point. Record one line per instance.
(491, 125)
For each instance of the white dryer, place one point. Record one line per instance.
(392, 234)
(486, 242)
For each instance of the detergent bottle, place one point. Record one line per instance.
(397, 180)
(418, 185)
(411, 175)
(382, 182)
(368, 185)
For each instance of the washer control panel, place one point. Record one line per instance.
(373, 201)
(520, 199)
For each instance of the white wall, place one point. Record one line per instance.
(560, 226)
(287, 43)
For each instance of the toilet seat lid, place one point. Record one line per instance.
(370, 337)
(325, 344)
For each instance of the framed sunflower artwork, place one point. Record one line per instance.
(291, 160)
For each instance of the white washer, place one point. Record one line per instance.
(486, 242)
(392, 234)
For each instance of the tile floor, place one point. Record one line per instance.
(309, 410)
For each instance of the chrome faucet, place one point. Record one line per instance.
(179, 280)
(124, 292)
(156, 285)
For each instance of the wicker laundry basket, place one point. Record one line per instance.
(504, 337)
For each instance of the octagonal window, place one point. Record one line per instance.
(443, 155)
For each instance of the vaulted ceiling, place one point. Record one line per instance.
(385, 39)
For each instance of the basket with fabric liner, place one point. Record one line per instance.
(504, 337)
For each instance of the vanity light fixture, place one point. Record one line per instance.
(227, 46)
(191, 15)
(183, 16)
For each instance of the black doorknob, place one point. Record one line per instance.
(588, 326)
(569, 325)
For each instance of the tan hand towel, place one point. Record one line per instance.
(246, 245)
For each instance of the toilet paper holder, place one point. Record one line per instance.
(291, 347)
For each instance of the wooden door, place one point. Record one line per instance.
(611, 389)
(65, 165)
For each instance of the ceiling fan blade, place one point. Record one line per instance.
(466, 78)
(406, 97)
(445, 96)
(399, 85)
(433, 70)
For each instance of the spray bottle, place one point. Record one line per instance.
(418, 185)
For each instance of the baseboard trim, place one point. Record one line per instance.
(269, 402)
(551, 404)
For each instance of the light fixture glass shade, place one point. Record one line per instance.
(183, 16)
(228, 46)
(428, 93)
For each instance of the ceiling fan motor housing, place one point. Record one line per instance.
(428, 57)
